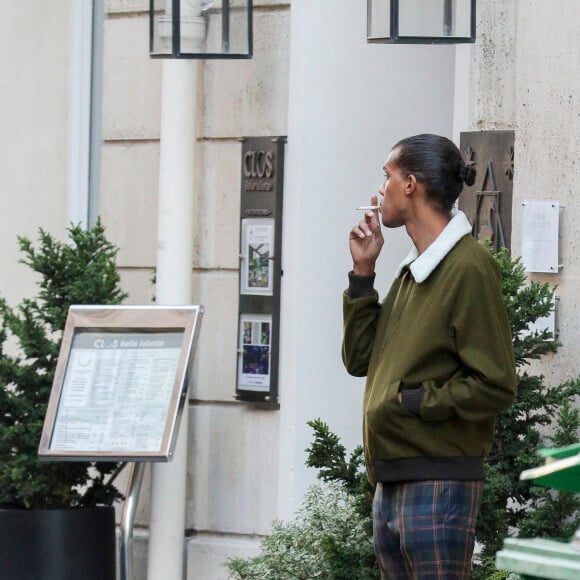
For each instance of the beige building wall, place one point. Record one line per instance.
(34, 88)
(546, 149)
(226, 513)
(525, 77)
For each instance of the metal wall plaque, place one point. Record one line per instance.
(260, 269)
(488, 202)
(120, 383)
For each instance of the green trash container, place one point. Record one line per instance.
(537, 557)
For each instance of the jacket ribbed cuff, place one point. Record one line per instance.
(411, 399)
(360, 286)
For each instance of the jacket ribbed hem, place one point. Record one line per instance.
(428, 468)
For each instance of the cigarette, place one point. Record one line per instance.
(368, 207)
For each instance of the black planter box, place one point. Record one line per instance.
(66, 544)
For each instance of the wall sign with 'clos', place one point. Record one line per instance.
(260, 270)
(259, 164)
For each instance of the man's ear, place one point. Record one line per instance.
(411, 184)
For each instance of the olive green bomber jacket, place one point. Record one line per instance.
(443, 341)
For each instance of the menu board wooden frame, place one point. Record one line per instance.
(120, 383)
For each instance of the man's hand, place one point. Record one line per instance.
(366, 241)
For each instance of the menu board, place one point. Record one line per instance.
(118, 391)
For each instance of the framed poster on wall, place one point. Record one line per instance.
(258, 252)
(254, 368)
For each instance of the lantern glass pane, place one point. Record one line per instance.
(378, 19)
(207, 28)
(161, 32)
(435, 18)
(228, 27)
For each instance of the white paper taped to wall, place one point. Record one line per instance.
(540, 231)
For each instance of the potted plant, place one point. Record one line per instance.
(38, 497)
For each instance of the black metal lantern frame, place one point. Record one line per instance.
(221, 30)
(385, 20)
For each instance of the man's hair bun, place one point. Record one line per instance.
(467, 174)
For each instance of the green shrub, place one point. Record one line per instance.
(82, 271)
(327, 539)
(511, 506)
(328, 456)
(330, 536)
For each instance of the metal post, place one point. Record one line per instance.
(79, 126)
(174, 286)
(128, 519)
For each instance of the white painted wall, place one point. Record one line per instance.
(34, 60)
(349, 102)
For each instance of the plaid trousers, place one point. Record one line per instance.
(425, 529)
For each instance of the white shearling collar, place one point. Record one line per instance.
(422, 265)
